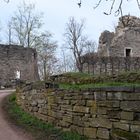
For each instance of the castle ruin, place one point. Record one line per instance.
(17, 62)
(125, 41)
(117, 51)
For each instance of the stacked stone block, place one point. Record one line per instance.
(111, 113)
(15, 58)
(110, 65)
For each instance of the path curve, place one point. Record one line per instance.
(8, 132)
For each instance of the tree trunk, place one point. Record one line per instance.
(45, 74)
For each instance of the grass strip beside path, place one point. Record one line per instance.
(38, 128)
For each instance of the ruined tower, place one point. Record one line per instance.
(17, 62)
(125, 41)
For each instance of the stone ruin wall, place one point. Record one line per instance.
(104, 43)
(17, 58)
(110, 65)
(112, 48)
(126, 35)
(110, 113)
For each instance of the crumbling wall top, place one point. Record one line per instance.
(128, 21)
(125, 38)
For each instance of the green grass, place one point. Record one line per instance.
(96, 85)
(38, 128)
(77, 78)
(77, 75)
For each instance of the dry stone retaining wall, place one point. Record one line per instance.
(100, 114)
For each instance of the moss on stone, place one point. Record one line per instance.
(38, 85)
(125, 135)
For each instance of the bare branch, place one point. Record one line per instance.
(7, 1)
(119, 4)
(26, 24)
(119, 10)
(79, 3)
(97, 5)
(76, 41)
(110, 8)
(138, 3)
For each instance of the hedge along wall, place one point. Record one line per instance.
(100, 114)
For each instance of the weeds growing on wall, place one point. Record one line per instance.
(78, 80)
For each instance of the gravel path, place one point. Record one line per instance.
(7, 130)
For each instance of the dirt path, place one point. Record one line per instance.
(7, 131)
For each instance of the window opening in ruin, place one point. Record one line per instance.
(128, 52)
(17, 76)
(34, 55)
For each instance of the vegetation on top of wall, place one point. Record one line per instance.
(77, 75)
(97, 85)
(38, 128)
(76, 80)
(84, 78)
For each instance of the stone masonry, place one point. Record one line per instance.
(110, 65)
(15, 59)
(118, 51)
(125, 38)
(111, 113)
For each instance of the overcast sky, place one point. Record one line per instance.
(57, 13)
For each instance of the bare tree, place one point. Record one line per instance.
(114, 3)
(9, 33)
(66, 61)
(25, 25)
(46, 48)
(76, 41)
(91, 46)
